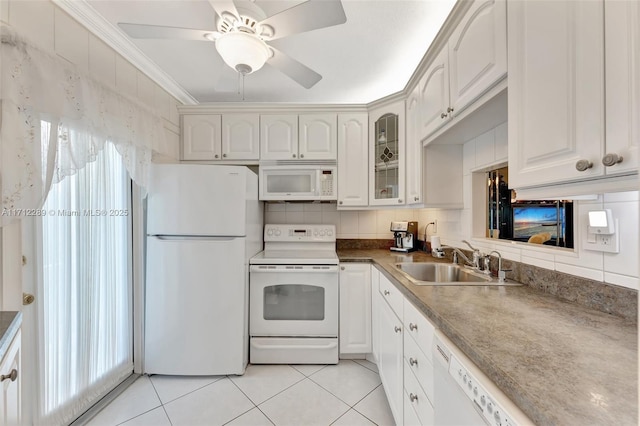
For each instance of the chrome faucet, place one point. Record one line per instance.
(502, 273)
(456, 252)
(476, 255)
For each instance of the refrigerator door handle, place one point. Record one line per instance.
(191, 238)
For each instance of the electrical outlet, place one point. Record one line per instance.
(609, 243)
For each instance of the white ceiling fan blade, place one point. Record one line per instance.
(301, 74)
(307, 16)
(221, 6)
(158, 31)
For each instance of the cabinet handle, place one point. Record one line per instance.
(13, 376)
(582, 165)
(294, 156)
(301, 155)
(413, 397)
(413, 362)
(397, 329)
(224, 155)
(443, 115)
(386, 292)
(450, 109)
(412, 326)
(611, 160)
(216, 156)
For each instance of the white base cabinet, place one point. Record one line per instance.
(390, 363)
(10, 401)
(355, 308)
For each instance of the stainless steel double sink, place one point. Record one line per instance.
(445, 274)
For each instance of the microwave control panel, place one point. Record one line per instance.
(326, 183)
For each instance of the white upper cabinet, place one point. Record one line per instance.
(353, 164)
(622, 59)
(434, 95)
(318, 137)
(477, 52)
(278, 137)
(472, 62)
(386, 155)
(556, 91)
(241, 136)
(201, 137)
(414, 149)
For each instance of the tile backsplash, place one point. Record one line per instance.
(362, 224)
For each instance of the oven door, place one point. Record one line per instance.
(293, 300)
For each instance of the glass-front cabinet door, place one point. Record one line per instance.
(386, 155)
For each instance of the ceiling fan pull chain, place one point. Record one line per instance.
(243, 86)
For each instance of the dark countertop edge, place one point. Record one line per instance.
(511, 389)
(14, 320)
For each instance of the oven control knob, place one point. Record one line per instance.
(278, 232)
(269, 232)
(483, 400)
(315, 233)
(497, 417)
(322, 233)
(330, 233)
(490, 408)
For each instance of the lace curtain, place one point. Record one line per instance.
(44, 98)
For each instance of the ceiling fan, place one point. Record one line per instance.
(243, 31)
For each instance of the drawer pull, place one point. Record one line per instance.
(386, 292)
(413, 397)
(412, 326)
(397, 329)
(413, 362)
(13, 376)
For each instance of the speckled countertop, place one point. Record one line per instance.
(561, 363)
(10, 322)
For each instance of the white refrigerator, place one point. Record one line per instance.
(204, 223)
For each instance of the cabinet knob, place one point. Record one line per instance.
(216, 156)
(342, 268)
(416, 199)
(413, 361)
(399, 201)
(413, 397)
(386, 292)
(450, 109)
(301, 155)
(224, 155)
(443, 115)
(13, 376)
(412, 326)
(294, 156)
(397, 329)
(27, 299)
(582, 165)
(611, 160)
(340, 202)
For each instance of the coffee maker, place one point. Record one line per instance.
(405, 236)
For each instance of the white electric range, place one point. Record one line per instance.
(293, 296)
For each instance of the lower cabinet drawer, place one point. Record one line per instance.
(392, 295)
(410, 416)
(416, 398)
(419, 364)
(419, 327)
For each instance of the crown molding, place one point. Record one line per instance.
(86, 15)
(269, 108)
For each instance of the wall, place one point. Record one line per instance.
(54, 31)
(482, 152)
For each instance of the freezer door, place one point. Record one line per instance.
(197, 199)
(196, 306)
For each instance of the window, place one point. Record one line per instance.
(85, 318)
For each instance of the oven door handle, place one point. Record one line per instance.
(329, 345)
(321, 269)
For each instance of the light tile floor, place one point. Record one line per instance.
(349, 393)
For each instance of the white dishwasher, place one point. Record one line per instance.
(464, 395)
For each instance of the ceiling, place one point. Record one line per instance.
(370, 56)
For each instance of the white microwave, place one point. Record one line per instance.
(298, 183)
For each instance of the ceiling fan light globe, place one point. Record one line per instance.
(243, 51)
